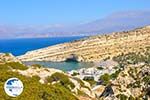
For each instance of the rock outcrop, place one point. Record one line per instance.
(8, 57)
(94, 48)
(130, 83)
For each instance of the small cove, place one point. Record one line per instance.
(65, 66)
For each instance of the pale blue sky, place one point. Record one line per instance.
(44, 12)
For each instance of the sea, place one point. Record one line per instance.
(21, 46)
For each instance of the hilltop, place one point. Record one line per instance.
(94, 48)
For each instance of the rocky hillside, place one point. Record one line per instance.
(129, 79)
(93, 48)
(41, 83)
(132, 83)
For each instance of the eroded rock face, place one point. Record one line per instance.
(72, 58)
(98, 90)
(8, 57)
(130, 81)
(93, 48)
(43, 73)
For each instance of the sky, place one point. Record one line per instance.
(46, 12)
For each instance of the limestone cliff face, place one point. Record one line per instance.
(94, 48)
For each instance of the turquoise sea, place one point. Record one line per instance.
(65, 66)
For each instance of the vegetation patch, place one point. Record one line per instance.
(62, 79)
(100, 68)
(146, 79)
(90, 80)
(133, 58)
(16, 65)
(115, 75)
(105, 78)
(36, 65)
(33, 89)
(122, 97)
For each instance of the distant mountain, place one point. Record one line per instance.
(119, 21)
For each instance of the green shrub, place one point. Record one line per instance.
(115, 75)
(33, 90)
(81, 93)
(146, 79)
(62, 78)
(3, 67)
(122, 97)
(100, 68)
(75, 74)
(16, 65)
(36, 65)
(90, 80)
(105, 78)
(131, 98)
(6, 54)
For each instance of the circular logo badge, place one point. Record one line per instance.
(13, 87)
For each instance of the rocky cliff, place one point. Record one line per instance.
(94, 48)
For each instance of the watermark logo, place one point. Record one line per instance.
(13, 87)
